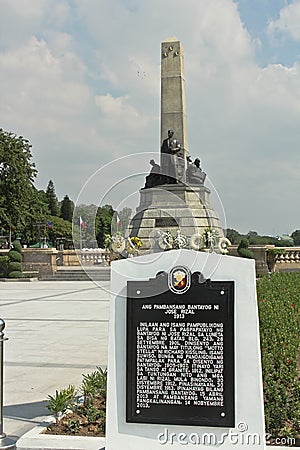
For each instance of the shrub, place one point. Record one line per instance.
(15, 274)
(61, 401)
(15, 259)
(3, 266)
(14, 267)
(84, 415)
(243, 249)
(14, 256)
(17, 246)
(94, 383)
(245, 253)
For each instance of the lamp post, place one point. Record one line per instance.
(6, 443)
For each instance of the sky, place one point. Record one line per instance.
(81, 80)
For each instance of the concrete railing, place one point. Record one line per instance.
(289, 261)
(269, 258)
(91, 257)
(82, 257)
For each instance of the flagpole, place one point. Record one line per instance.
(80, 239)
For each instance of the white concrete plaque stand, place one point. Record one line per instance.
(249, 418)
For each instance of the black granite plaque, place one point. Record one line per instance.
(180, 354)
(163, 222)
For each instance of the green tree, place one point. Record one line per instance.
(252, 237)
(296, 236)
(38, 212)
(66, 209)
(233, 235)
(124, 216)
(59, 228)
(103, 223)
(17, 173)
(52, 199)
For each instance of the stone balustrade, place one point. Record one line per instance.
(289, 261)
(83, 257)
(268, 258)
(91, 257)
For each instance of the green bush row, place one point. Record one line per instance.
(279, 315)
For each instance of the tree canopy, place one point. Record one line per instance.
(103, 222)
(296, 236)
(67, 208)
(52, 199)
(17, 173)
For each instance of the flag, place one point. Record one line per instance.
(118, 221)
(49, 224)
(81, 222)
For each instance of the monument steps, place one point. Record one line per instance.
(79, 274)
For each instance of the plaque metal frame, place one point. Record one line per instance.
(219, 294)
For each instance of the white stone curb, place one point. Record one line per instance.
(35, 439)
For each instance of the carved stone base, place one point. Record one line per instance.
(173, 207)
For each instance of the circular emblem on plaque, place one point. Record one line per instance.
(179, 279)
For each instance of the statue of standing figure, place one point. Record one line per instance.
(172, 168)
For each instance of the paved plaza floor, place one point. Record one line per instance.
(57, 331)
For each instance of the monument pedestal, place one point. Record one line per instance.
(174, 207)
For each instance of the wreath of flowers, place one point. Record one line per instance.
(165, 241)
(210, 237)
(118, 243)
(196, 242)
(133, 244)
(223, 244)
(180, 241)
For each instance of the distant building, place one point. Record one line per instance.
(286, 237)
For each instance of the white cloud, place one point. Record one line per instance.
(288, 21)
(117, 110)
(24, 8)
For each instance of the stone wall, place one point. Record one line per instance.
(41, 260)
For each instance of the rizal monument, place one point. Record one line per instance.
(175, 201)
(182, 370)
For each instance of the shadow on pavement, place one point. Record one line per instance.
(26, 411)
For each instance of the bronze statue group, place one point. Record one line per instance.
(175, 167)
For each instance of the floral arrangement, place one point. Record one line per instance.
(208, 240)
(133, 245)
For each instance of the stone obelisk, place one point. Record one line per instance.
(173, 201)
(173, 99)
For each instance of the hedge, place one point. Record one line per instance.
(279, 315)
